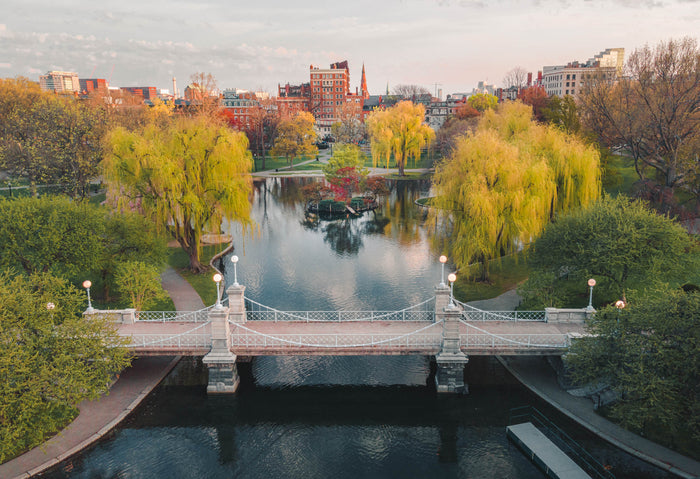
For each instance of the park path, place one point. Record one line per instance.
(97, 418)
(537, 375)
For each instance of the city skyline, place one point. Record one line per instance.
(447, 45)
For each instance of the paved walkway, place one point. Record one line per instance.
(537, 375)
(184, 296)
(99, 417)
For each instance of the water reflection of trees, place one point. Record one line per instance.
(405, 218)
(399, 217)
(344, 236)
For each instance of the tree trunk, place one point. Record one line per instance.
(195, 265)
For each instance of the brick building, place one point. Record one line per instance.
(89, 85)
(146, 92)
(239, 106)
(292, 99)
(327, 96)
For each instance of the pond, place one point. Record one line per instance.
(341, 417)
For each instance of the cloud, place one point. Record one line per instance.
(5, 65)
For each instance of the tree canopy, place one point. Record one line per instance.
(653, 112)
(75, 241)
(187, 177)
(648, 354)
(345, 170)
(49, 139)
(483, 101)
(400, 131)
(296, 137)
(505, 182)
(618, 242)
(51, 358)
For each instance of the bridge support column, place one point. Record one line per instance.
(449, 377)
(236, 303)
(221, 362)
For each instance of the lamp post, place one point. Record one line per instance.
(217, 279)
(443, 260)
(452, 278)
(591, 283)
(86, 284)
(234, 260)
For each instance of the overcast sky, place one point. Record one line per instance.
(258, 44)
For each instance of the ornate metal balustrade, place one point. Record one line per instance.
(383, 341)
(201, 316)
(476, 337)
(182, 341)
(259, 312)
(470, 313)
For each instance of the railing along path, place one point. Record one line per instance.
(253, 338)
(470, 313)
(259, 312)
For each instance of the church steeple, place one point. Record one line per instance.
(363, 86)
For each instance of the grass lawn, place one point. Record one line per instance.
(276, 162)
(408, 175)
(425, 161)
(623, 175)
(505, 275)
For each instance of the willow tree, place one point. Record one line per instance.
(400, 131)
(503, 183)
(187, 177)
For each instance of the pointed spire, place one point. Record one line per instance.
(363, 86)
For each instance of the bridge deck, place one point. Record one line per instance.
(264, 338)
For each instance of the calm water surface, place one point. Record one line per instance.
(339, 417)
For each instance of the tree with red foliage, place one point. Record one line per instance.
(537, 98)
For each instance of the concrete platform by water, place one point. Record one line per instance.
(544, 452)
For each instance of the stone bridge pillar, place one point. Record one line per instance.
(449, 377)
(221, 362)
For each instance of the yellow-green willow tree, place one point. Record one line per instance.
(186, 176)
(505, 182)
(399, 130)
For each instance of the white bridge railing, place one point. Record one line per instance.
(184, 341)
(476, 337)
(294, 341)
(201, 316)
(470, 313)
(259, 312)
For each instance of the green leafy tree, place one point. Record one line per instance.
(51, 358)
(620, 243)
(140, 282)
(562, 113)
(51, 234)
(505, 182)
(400, 131)
(296, 137)
(648, 354)
(73, 240)
(186, 178)
(483, 101)
(49, 139)
(345, 156)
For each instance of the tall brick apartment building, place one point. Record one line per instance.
(327, 96)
